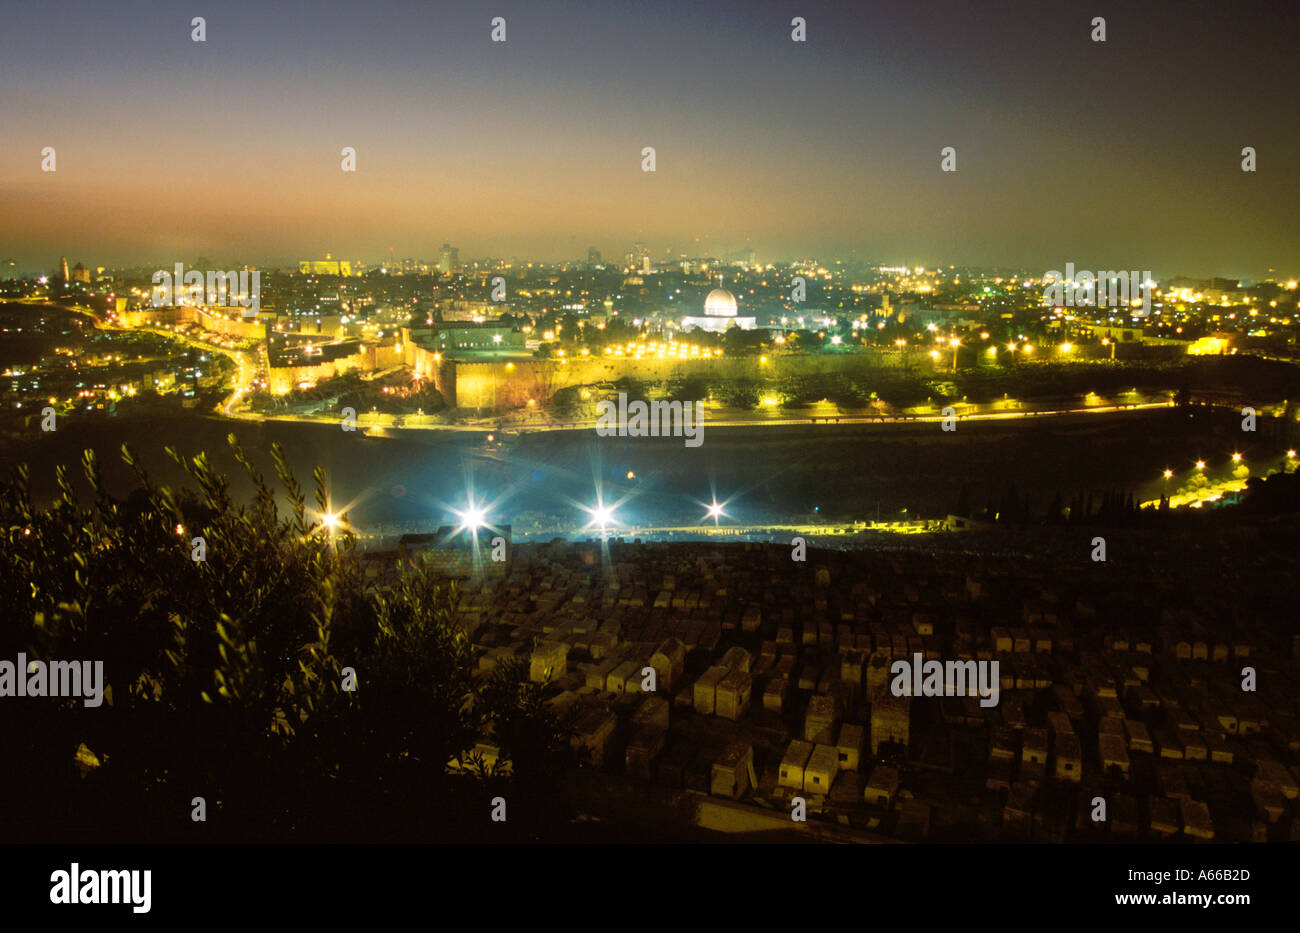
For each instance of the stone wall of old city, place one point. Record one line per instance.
(501, 385)
(370, 358)
(228, 324)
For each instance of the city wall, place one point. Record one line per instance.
(283, 379)
(229, 326)
(502, 385)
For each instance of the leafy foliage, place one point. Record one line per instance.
(225, 674)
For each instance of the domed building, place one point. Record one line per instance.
(720, 303)
(720, 313)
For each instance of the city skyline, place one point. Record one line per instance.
(1111, 154)
(718, 267)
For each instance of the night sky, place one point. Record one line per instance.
(1117, 154)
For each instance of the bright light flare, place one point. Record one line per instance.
(472, 518)
(602, 516)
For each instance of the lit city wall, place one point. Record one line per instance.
(217, 323)
(232, 326)
(501, 385)
(283, 379)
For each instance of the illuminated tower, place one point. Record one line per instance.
(448, 258)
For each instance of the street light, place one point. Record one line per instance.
(601, 515)
(472, 518)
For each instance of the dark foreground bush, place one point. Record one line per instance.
(224, 677)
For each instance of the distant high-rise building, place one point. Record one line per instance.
(593, 257)
(638, 256)
(63, 267)
(448, 258)
(80, 273)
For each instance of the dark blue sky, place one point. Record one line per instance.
(1117, 154)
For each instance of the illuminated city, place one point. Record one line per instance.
(527, 440)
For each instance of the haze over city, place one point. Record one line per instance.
(1113, 154)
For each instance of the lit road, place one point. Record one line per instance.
(384, 423)
(245, 372)
(245, 367)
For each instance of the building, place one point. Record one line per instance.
(821, 719)
(890, 721)
(489, 335)
(820, 771)
(849, 745)
(882, 787)
(548, 662)
(644, 746)
(467, 309)
(706, 690)
(732, 695)
(668, 661)
(1069, 758)
(593, 733)
(455, 553)
(326, 266)
(791, 773)
(733, 773)
(448, 258)
(720, 314)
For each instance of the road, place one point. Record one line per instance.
(384, 422)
